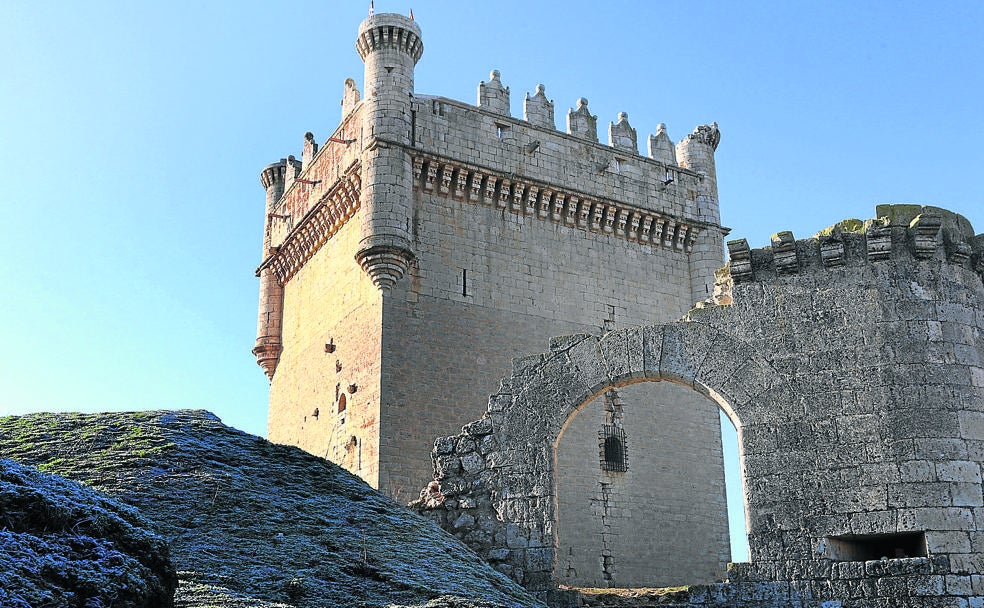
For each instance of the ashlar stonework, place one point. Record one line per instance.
(852, 365)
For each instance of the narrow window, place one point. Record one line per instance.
(341, 403)
(613, 449)
(464, 281)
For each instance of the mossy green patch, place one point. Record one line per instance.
(851, 225)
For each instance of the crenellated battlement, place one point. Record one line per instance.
(392, 32)
(534, 149)
(493, 96)
(482, 154)
(900, 232)
(525, 166)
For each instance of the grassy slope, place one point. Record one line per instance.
(252, 523)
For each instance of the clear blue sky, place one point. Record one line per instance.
(132, 135)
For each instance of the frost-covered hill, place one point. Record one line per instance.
(62, 544)
(254, 524)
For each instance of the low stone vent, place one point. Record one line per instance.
(865, 547)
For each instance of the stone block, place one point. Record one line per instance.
(948, 542)
(967, 494)
(444, 445)
(593, 372)
(926, 585)
(539, 559)
(958, 585)
(652, 347)
(917, 471)
(472, 463)
(623, 353)
(967, 563)
(463, 521)
(478, 428)
(939, 519)
(971, 425)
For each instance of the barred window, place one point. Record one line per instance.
(614, 456)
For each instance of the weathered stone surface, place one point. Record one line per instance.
(853, 387)
(64, 544)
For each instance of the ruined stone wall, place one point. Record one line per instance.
(879, 328)
(853, 367)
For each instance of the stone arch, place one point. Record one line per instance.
(659, 516)
(498, 474)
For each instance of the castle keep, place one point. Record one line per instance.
(427, 242)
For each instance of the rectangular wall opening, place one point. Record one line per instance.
(865, 547)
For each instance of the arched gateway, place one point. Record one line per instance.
(499, 474)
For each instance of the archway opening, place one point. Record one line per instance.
(640, 489)
(734, 489)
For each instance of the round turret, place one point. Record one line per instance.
(273, 174)
(390, 46)
(696, 152)
(268, 326)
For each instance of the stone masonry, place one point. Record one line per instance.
(852, 365)
(427, 242)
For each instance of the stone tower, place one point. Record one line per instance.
(390, 46)
(428, 242)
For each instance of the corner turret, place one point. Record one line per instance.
(696, 152)
(269, 323)
(390, 46)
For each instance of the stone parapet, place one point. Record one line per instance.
(533, 149)
(328, 163)
(901, 232)
(389, 31)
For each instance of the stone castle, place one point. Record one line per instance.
(413, 259)
(427, 242)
